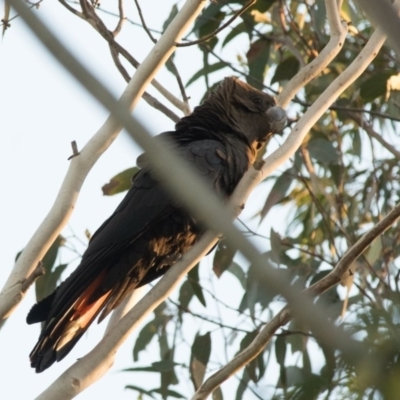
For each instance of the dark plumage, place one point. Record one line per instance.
(148, 232)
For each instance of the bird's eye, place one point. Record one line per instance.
(257, 100)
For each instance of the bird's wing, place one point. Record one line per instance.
(77, 301)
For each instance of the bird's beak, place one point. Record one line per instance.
(277, 118)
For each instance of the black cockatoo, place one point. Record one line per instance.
(148, 231)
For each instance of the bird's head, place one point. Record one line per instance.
(254, 113)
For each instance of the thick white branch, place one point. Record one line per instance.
(80, 166)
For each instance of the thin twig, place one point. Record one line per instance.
(204, 318)
(361, 110)
(95, 21)
(72, 9)
(185, 98)
(151, 100)
(5, 22)
(371, 132)
(121, 20)
(142, 20)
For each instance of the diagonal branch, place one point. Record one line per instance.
(314, 68)
(142, 20)
(358, 118)
(284, 316)
(122, 18)
(96, 22)
(146, 95)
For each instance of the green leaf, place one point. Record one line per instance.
(168, 393)
(201, 350)
(164, 365)
(323, 151)
(140, 390)
(280, 350)
(255, 369)
(256, 291)
(374, 251)
(296, 341)
(171, 16)
(286, 70)
(208, 22)
(236, 270)
(280, 354)
(278, 191)
(235, 31)
(120, 182)
(243, 385)
(223, 258)
(144, 338)
(193, 276)
(141, 369)
(257, 58)
(54, 277)
(263, 5)
(44, 285)
(207, 69)
(319, 16)
(375, 86)
(306, 362)
(185, 294)
(294, 376)
(217, 394)
(276, 246)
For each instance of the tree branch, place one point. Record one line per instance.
(146, 96)
(96, 22)
(121, 20)
(142, 20)
(314, 68)
(357, 117)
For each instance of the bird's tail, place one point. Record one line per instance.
(64, 326)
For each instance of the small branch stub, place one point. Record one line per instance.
(75, 151)
(38, 271)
